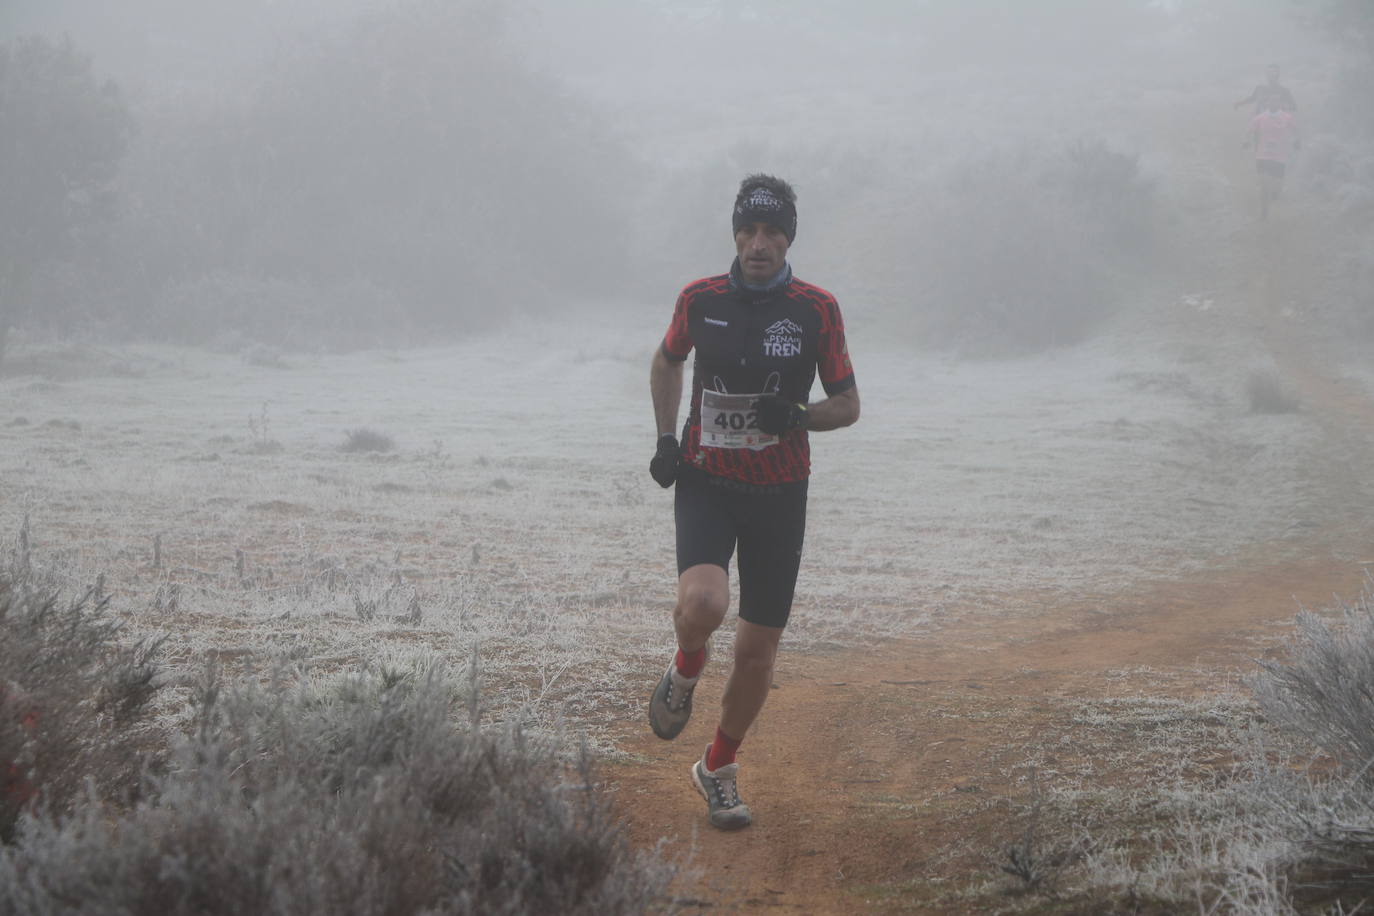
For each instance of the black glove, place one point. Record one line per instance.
(776, 415)
(663, 466)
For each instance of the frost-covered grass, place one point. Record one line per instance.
(1254, 800)
(515, 523)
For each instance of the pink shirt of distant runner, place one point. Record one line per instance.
(1276, 132)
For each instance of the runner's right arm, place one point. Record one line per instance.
(665, 373)
(665, 387)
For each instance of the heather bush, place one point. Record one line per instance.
(1325, 691)
(1267, 394)
(1288, 829)
(364, 439)
(74, 701)
(362, 798)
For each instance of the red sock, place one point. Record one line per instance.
(689, 664)
(722, 751)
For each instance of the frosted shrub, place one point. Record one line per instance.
(1291, 839)
(74, 703)
(361, 799)
(1325, 692)
(367, 440)
(1267, 394)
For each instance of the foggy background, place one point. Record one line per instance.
(991, 177)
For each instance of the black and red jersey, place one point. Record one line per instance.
(753, 342)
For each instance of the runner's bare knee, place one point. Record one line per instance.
(703, 599)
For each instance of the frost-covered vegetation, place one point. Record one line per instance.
(209, 498)
(1255, 802)
(308, 538)
(499, 526)
(371, 794)
(75, 714)
(1292, 828)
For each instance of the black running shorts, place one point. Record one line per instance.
(768, 522)
(1269, 167)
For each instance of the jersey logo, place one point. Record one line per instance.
(782, 338)
(718, 322)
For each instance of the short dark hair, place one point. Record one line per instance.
(781, 189)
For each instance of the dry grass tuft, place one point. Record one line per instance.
(367, 440)
(1267, 394)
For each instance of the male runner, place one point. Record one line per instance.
(1274, 135)
(761, 336)
(1270, 89)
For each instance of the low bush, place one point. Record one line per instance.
(1325, 691)
(367, 440)
(1267, 394)
(359, 799)
(1287, 830)
(74, 702)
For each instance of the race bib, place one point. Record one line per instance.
(730, 421)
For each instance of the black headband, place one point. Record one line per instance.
(760, 205)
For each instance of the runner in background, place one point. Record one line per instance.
(1270, 89)
(1274, 136)
(761, 337)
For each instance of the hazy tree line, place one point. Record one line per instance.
(62, 138)
(413, 176)
(1351, 22)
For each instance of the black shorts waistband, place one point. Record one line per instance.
(696, 475)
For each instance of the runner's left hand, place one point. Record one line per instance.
(777, 415)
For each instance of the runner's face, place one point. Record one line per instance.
(762, 250)
(1273, 73)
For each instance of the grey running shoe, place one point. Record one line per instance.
(722, 796)
(671, 705)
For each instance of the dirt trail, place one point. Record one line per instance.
(872, 770)
(881, 779)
